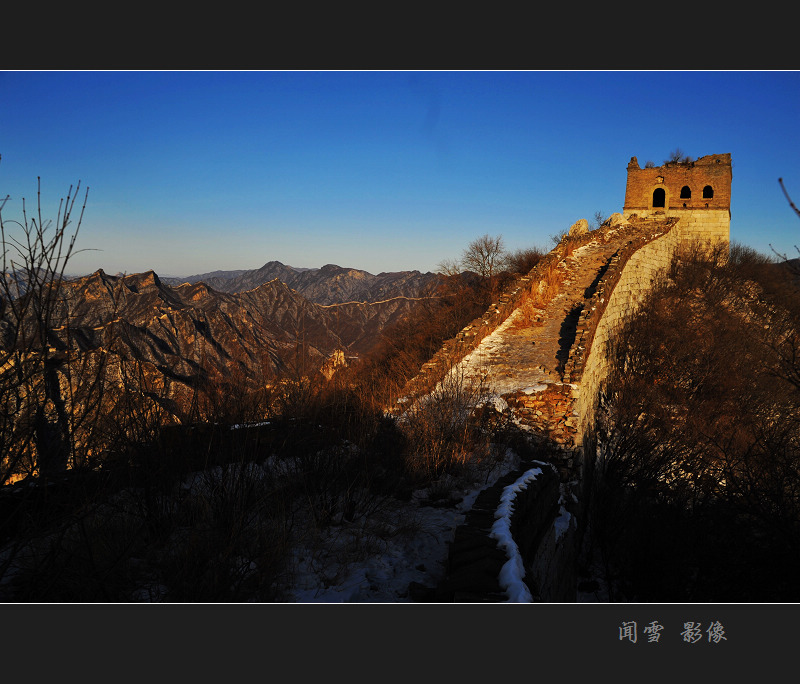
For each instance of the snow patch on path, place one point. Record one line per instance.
(513, 571)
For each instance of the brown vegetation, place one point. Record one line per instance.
(697, 494)
(142, 482)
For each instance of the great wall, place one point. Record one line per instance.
(541, 351)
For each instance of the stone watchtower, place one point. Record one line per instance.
(697, 192)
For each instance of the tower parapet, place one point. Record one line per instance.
(697, 192)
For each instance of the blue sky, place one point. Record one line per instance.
(190, 172)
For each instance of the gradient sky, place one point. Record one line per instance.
(190, 172)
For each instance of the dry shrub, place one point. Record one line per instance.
(406, 346)
(223, 536)
(523, 260)
(698, 490)
(233, 532)
(441, 427)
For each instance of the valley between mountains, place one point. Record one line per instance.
(251, 325)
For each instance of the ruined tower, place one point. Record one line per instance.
(698, 192)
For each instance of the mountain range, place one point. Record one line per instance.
(330, 284)
(250, 325)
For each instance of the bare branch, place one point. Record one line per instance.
(778, 254)
(788, 199)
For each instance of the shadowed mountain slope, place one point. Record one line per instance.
(159, 322)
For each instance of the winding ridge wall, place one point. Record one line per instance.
(631, 275)
(548, 547)
(524, 287)
(678, 204)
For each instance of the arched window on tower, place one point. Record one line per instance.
(686, 193)
(708, 192)
(659, 197)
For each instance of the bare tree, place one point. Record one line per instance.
(34, 413)
(485, 256)
(449, 267)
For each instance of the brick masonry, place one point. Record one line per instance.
(698, 192)
(561, 416)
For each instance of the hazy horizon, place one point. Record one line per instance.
(234, 270)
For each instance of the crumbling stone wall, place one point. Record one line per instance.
(548, 551)
(455, 349)
(698, 192)
(566, 413)
(630, 276)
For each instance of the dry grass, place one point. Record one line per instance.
(533, 306)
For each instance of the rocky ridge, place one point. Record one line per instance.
(182, 335)
(330, 284)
